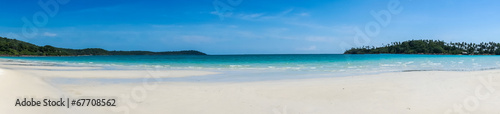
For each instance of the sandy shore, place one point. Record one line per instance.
(400, 92)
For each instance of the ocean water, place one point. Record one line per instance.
(288, 64)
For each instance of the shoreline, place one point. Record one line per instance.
(249, 54)
(340, 68)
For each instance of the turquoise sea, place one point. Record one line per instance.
(298, 65)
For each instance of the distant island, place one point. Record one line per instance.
(13, 47)
(430, 47)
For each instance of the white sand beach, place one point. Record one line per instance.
(394, 93)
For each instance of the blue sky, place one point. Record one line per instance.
(251, 27)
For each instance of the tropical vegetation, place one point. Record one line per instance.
(430, 47)
(13, 47)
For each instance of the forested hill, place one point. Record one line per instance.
(430, 47)
(13, 47)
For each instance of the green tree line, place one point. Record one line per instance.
(430, 47)
(13, 47)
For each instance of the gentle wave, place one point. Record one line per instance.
(337, 64)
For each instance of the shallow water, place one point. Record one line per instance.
(305, 64)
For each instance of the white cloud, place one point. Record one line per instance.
(223, 14)
(49, 34)
(344, 29)
(309, 25)
(12, 35)
(304, 14)
(263, 16)
(232, 26)
(196, 39)
(250, 16)
(285, 12)
(166, 26)
(319, 39)
(278, 16)
(214, 13)
(310, 48)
